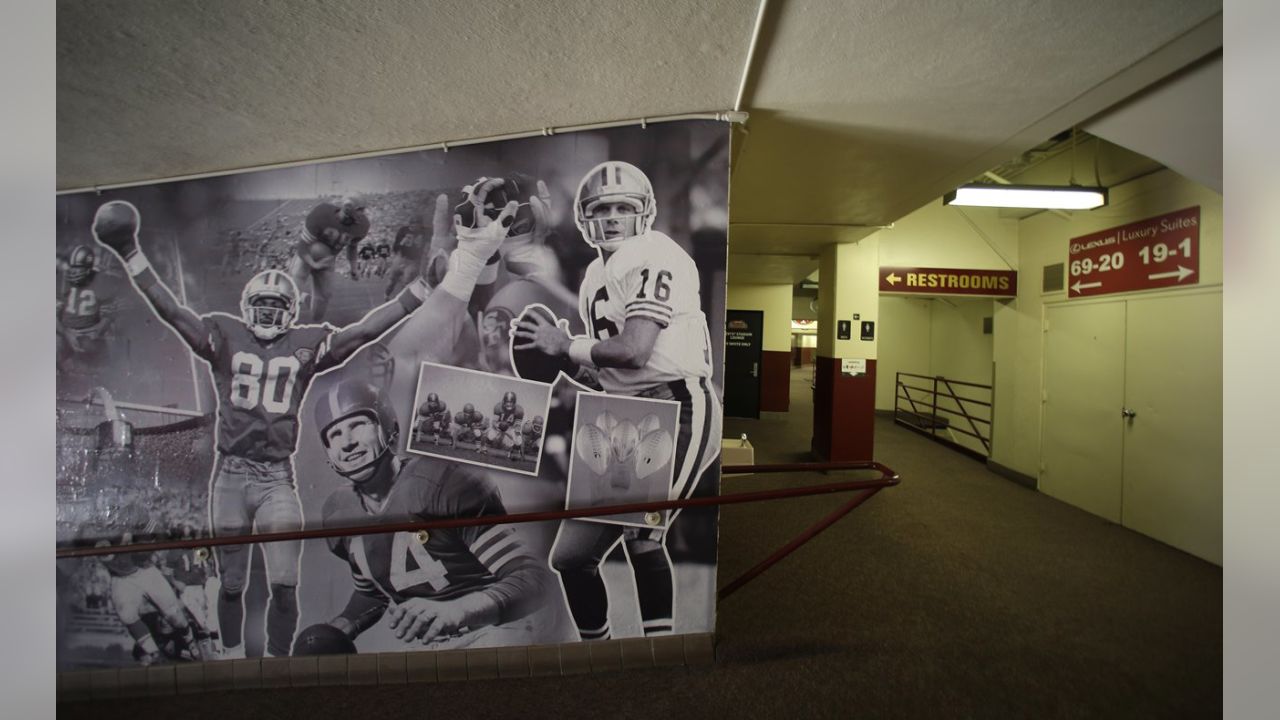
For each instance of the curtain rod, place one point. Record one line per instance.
(729, 116)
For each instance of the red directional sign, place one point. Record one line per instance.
(949, 281)
(1153, 253)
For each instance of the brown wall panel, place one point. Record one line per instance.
(844, 410)
(775, 381)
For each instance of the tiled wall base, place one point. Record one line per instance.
(389, 668)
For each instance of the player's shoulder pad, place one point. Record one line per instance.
(448, 486)
(322, 210)
(316, 327)
(340, 507)
(595, 267)
(653, 247)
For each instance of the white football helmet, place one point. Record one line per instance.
(269, 304)
(614, 181)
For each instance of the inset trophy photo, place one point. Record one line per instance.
(623, 452)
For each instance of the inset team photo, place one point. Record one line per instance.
(624, 452)
(480, 418)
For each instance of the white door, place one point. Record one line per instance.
(1159, 470)
(1082, 444)
(1173, 444)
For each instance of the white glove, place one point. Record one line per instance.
(475, 247)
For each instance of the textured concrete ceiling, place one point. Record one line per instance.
(860, 111)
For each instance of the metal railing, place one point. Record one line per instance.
(886, 477)
(931, 406)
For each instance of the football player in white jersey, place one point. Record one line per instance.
(641, 303)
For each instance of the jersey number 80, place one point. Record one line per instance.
(269, 384)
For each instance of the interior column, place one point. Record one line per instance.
(844, 403)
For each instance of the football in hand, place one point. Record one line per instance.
(532, 363)
(116, 224)
(323, 639)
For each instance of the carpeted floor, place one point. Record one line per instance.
(956, 594)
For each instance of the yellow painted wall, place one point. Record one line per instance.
(940, 336)
(855, 268)
(904, 343)
(936, 235)
(935, 336)
(1043, 240)
(775, 301)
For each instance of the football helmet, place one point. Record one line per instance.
(80, 265)
(349, 211)
(353, 397)
(433, 399)
(537, 423)
(468, 409)
(509, 400)
(614, 181)
(269, 304)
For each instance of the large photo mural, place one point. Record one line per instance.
(502, 328)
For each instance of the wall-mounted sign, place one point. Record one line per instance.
(868, 330)
(853, 366)
(1152, 253)
(949, 281)
(844, 330)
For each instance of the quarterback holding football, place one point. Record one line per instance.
(640, 301)
(262, 363)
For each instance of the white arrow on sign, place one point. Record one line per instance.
(893, 278)
(1085, 286)
(1181, 273)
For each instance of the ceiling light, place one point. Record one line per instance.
(1048, 197)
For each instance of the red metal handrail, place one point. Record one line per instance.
(903, 392)
(887, 478)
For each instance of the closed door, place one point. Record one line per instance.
(1082, 444)
(743, 347)
(1173, 443)
(1132, 427)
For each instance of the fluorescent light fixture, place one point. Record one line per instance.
(1048, 197)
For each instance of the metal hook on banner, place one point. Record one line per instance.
(444, 146)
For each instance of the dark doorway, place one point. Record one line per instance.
(744, 342)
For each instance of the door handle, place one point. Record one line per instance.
(1128, 414)
(755, 369)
